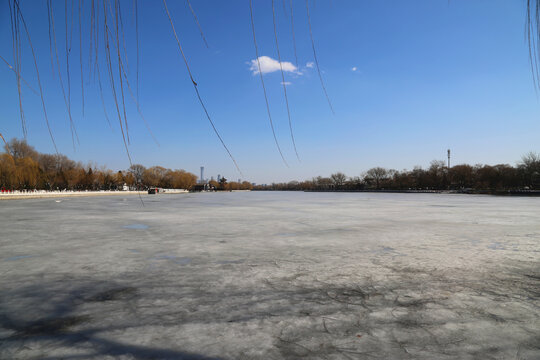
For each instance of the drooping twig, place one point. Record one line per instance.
(38, 77)
(16, 41)
(68, 52)
(292, 31)
(262, 83)
(111, 78)
(7, 145)
(316, 60)
(80, 57)
(92, 24)
(133, 97)
(283, 81)
(533, 38)
(106, 31)
(135, 5)
(96, 36)
(197, 21)
(50, 37)
(101, 96)
(123, 36)
(117, 10)
(13, 69)
(197, 90)
(72, 126)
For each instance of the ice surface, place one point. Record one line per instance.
(275, 275)
(136, 226)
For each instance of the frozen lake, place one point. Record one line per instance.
(271, 276)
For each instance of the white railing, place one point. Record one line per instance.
(47, 193)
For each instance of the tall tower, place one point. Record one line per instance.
(202, 174)
(448, 158)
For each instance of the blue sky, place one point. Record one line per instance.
(407, 80)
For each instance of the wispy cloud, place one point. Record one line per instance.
(310, 65)
(269, 65)
(354, 68)
(286, 83)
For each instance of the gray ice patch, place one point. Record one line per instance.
(384, 249)
(183, 260)
(13, 258)
(286, 234)
(136, 227)
(496, 246)
(224, 262)
(175, 259)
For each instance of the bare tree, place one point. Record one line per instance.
(377, 174)
(531, 160)
(462, 176)
(137, 170)
(339, 179)
(20, 149)
(530, 168)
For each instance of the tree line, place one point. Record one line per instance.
(24, 168)
(482, 178)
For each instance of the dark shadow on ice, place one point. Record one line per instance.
(122, 293)
(64, 325)
(111, 348)
(401, 312)
(50, 326)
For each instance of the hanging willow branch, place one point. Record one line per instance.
(197, 21)
(37, 75)
(72, 125)
(136, 8)
(283, 80)
(533, 38)
(262, 83)
(7, 145)
(68, 52)
(316, 60)
(292, 31)
(197, 90)
(13, 69)
(111, 78)
(80, 56)
(111, 27)
(117, 20)
(14, 11)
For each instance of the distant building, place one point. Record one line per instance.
(202, 176)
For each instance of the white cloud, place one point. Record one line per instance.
(354, 68)
(269, 65)
(286, 83)
(310, 65)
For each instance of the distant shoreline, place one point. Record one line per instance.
(59, 194)
(470, 192)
